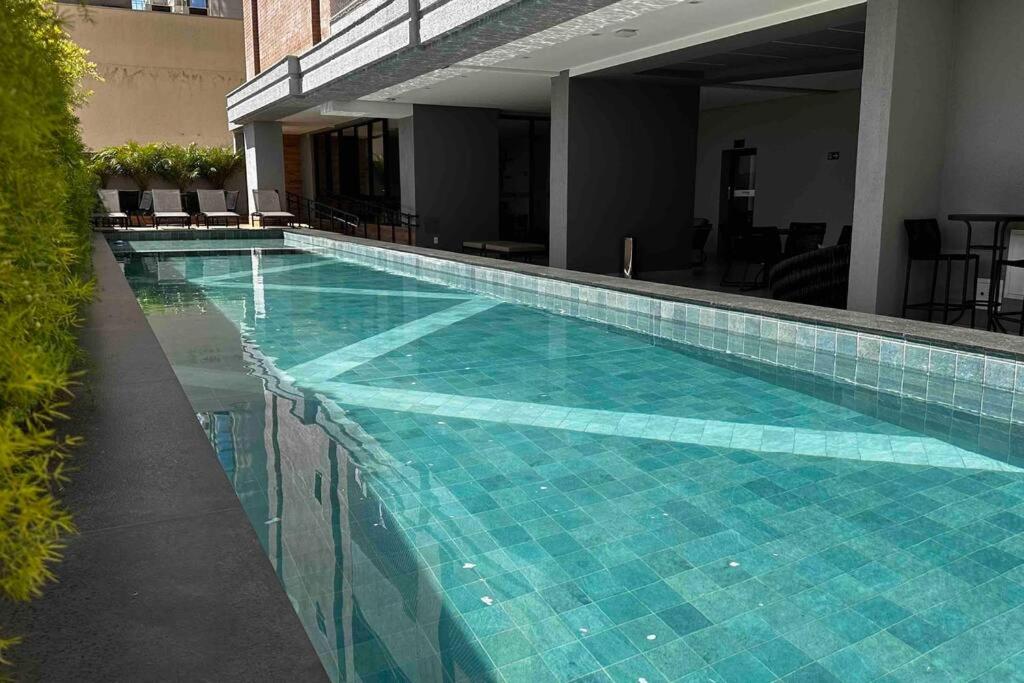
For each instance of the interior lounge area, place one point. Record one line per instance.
(833, 158)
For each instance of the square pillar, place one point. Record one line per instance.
(623, 161)
(448, 160)
(901, 149)
(264, 157)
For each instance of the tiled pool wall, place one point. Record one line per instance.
(971, 382)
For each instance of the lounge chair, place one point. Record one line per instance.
(267, 205)
(506, 249)
(145, 206)
(213, 207)
(167, 209)
(109, 213)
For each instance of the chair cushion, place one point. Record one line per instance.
(479, 246)
(221, 214)
(170, 214)
(111, 214)
(275, 214)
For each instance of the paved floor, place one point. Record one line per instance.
(166, 579)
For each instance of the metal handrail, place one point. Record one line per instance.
(379, 214)
(319, 215)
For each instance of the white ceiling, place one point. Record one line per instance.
(517, 77)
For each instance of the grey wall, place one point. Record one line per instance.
(453, 157)
(984, 159)
(622, 163)
(904, 100)
(795, 179)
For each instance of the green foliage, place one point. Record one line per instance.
(46, 197)
(181, 165)
(139, 162)
(217, 164)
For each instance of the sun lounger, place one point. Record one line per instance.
(109, 213)
(267, 204)
(213, 207)
(167, 209)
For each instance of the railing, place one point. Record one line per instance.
(324, 217)
(379, 218)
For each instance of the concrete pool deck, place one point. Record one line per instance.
(166, 578)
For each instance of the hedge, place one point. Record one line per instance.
(46, 197)
(181, 165)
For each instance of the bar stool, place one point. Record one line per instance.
(925, 244)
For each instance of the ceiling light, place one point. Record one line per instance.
(626, 33)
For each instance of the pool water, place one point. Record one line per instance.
(454, 488)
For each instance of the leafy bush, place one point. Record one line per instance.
(138, 162)
(181, 165)
(46, 197)
(217, 164)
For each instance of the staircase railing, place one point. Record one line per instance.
(323, 217)
(380, 217)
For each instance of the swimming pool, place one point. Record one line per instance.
(451, 486)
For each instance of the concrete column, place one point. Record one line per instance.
(901, 147)
(623, 159)
(448, 160)
(264, 157)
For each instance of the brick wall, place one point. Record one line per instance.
(285, 27)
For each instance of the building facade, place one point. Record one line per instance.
(579, 123)
(163, 74)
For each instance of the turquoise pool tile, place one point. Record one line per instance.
(532, 669)
(648, 632)
(684, 619)
(781, 656)
(587, 619)
(744, 668)
(882, 612)
(812, 673)
(570, 662)
(588, 483)
(637, 668)
(609, 647)
(507, 647)
(658, 596)
(623, 607)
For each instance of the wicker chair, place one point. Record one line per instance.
(820, 277)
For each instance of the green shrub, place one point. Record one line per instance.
(46, 196)
(181, 165)
(217, 164)
(141, 163)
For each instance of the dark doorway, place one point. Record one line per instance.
(524, 152)
(737, 194)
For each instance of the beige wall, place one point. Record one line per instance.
(165, 76)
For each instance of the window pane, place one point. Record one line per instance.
(363, 153)
(380, 181)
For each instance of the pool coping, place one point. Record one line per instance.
(960, 338)
(166, 577)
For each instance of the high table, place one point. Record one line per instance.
(1000, 244)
